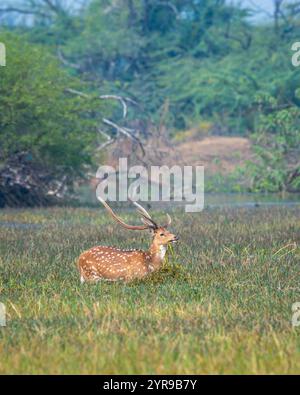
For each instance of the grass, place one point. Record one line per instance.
(222, 304)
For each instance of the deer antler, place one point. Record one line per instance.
(120, 221)
(141, 210)
(146, 217)
(169, 221)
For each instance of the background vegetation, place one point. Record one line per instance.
(204, 63)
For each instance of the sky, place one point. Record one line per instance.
(266, 6)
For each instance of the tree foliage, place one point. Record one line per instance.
(204, 57)
(37, 115)
(277, 145)
(47, 135)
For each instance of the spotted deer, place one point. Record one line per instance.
(113, 264)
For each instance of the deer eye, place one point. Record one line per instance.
(162, 234)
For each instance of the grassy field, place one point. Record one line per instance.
(222, 304)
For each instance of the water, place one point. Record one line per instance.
(87, 196)
(250, 199)
(211, 201)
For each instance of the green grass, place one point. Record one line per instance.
(222, 304)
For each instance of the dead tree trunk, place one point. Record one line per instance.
(28, 184)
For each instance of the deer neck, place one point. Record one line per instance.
(157, 255)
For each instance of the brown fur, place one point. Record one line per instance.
(112, 264)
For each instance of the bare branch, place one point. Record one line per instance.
(78, 93)
(109, 141)
(120, 129)
(53, 7)
(125, 132)
(22, 11)
(122, 100)
(36, 8)
(66, 62)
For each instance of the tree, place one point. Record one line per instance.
(277, 147)
(47, 135)
(204, 58)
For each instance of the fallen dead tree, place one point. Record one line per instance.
(28, 184)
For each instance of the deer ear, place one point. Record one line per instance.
(150, 225)
(152, 231)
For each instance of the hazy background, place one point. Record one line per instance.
(207, 82)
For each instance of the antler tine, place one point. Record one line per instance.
(119, 220)
(144, 213)
(141, 209)
(169, 221)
